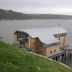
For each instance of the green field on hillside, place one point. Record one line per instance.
(19, 60)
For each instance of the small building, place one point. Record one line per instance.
(44, 41)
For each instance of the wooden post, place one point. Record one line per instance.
(29, 46)
(65, 57)
(64, 41)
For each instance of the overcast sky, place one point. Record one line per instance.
(38, 6)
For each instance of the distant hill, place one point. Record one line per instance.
(49, 16)
(19, 60)
(12, 15)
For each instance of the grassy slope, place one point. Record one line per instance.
(18, 60)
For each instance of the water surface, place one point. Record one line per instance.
(8, 27)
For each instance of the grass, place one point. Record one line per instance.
(19, 60)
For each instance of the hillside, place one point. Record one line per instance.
(13, 15)
(49, 16)
(19, 60)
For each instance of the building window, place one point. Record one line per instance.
(54, 50)
(59, 37)
(50, 51)
(44, 45)
(22, 37)
(60, 48)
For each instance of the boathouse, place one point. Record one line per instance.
(44, 41)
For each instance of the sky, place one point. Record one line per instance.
(38, 6)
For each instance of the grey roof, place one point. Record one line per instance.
(46, 35)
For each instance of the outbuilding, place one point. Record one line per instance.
(45, 41)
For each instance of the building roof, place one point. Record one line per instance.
(46, 35)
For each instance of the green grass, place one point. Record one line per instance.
(19, 60)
